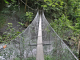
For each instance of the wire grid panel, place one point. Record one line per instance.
(21, 48)
(54, 48)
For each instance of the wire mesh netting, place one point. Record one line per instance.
(54, 48)
(24, 46)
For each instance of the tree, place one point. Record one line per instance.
(25, 5)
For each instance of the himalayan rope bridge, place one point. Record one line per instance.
(38, 41)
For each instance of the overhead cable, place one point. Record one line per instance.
(27, 5)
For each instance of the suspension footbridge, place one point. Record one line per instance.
(39, 41)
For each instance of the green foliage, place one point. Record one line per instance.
(53, 8)
(48, 58)
(66, 20)
(13, 3)
(6, 1)
(16, 58)
(22, 24)
(27, 17)
(1, 39)
(77, 24)
(2, 21)
(5, 11)
(59, 7)
(23, 18)
(61, 24)
(10, 34)
(10, 8)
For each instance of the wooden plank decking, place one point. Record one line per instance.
(40, 54)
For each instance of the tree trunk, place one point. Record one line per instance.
(25, 5)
